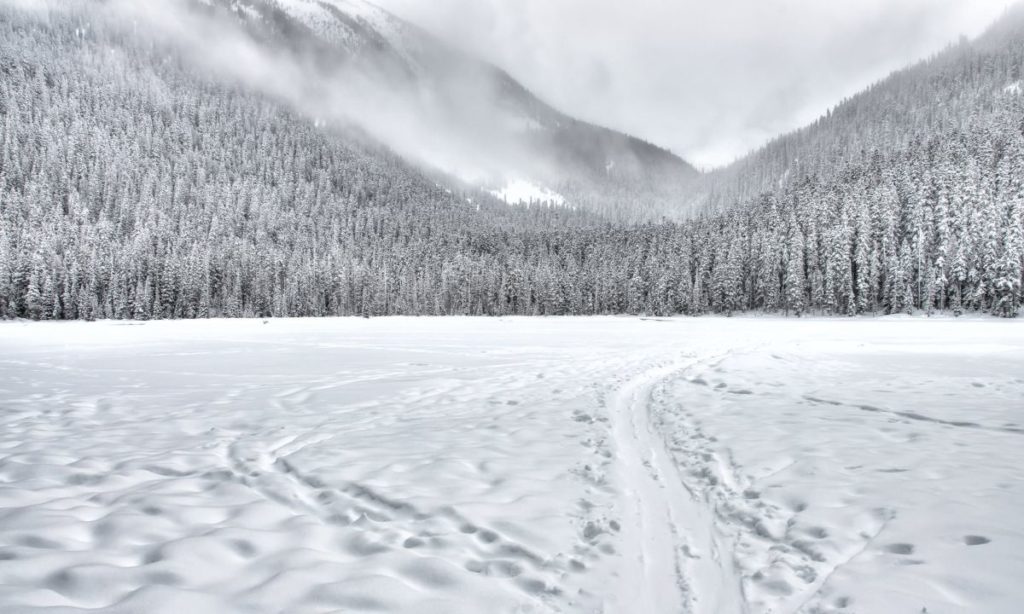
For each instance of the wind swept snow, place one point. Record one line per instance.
(512, 465)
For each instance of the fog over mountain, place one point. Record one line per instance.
(197, 158)
(708, 80)
(350, 65)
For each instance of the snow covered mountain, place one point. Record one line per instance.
(491, 128)
(967, 87)
(259, 158)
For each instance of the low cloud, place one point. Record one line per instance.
(406, 115)
(710, 80)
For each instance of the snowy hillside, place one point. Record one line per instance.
(523, 192)
(514, 133)
(141, 177)
(963, 93)
(517, 465)
(356, 25)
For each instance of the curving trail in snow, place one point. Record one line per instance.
(610, 465)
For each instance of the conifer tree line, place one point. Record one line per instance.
(133, 188)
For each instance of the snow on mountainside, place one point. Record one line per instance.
(353, 24)
(958, 90)
(152, 169)
(524, 192)
(499, 129)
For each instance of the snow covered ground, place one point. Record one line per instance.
(420, 465)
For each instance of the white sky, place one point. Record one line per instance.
(709, 79)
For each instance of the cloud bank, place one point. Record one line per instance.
(415, 119)
(709, 79)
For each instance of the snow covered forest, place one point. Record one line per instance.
(197, 184)
(133, 186)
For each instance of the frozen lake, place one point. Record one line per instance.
(423, 465)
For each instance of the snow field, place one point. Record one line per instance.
(512, 465)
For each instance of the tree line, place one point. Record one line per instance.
(131, 187)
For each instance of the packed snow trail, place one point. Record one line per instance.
(610, 465)
(675, 561)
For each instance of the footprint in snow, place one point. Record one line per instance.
(901, 549)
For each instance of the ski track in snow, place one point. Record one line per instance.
(512, 465)
(669, 526)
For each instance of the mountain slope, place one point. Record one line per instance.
(488, 127)
(135, 184)
(965, 82)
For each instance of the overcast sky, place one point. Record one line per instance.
(709, 79)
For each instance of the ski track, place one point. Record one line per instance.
(676, 560)
(758, 562)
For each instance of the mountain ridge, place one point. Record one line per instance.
(878, 115)
(461, 94)
(135, 185)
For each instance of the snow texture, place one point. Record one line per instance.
(512, 465)
(321, 17)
